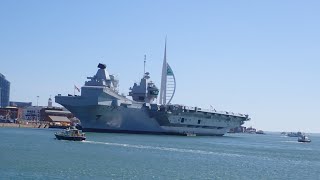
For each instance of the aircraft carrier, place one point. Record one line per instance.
(101, 108)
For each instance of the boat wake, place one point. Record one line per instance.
(180, 150)
(296, 142)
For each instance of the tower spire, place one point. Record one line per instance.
(168, 80)
(144, 65)
(163, 90)
(165, 50)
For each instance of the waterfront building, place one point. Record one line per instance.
(48, 114)
(10, 113)
(32, 113)
(56, 116)
(4, 91)
(52, 113)
(20, 104)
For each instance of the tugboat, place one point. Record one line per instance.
(304, 138)
(71, 134)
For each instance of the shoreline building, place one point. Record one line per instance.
(20, 104)
(10, 114)
(4, 91)
(32, 113)
(50, 113)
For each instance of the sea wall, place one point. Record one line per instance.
(30, 125)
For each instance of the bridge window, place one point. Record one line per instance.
(199, 121)
(182, 120)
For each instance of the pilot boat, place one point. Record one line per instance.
(71, 134)
(304, 139)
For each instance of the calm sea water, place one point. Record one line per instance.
(35, 154)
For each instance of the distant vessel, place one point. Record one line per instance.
(251, 130)
(304, 138)
(101, 108)
(190, 134)
(294, 134)
(260, 132)
(71, 134)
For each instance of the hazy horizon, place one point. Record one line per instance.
(253, 57)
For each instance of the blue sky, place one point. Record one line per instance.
(255, 57)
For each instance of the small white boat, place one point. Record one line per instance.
(260, 132)
(304, 138)
(190, 134)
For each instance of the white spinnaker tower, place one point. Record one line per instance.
(168, 81)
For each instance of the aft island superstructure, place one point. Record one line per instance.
(101, 108)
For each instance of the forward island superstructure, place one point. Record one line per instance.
(101, 108)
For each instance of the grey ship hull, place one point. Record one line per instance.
(104, 111)
(129, 120)
(109, 119)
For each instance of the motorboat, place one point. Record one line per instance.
(304, 139)
(71, 134)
